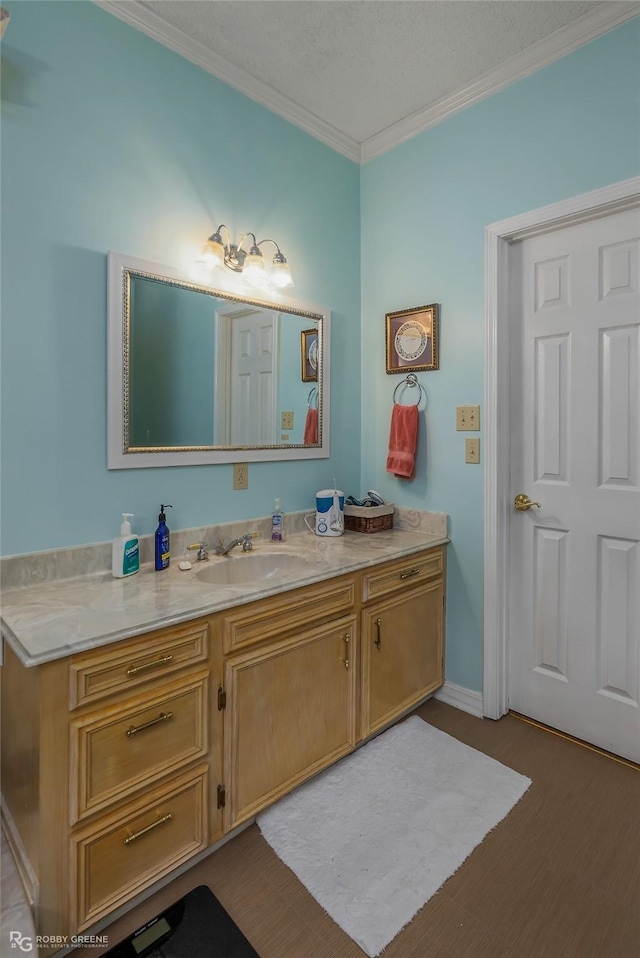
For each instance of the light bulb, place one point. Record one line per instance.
(212, 254)
(253, 269)
(280, 272)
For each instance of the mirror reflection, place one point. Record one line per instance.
(204, 371)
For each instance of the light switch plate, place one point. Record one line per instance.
(286, 420)
(472, 450)
(467, 418)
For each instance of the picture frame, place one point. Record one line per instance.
(309, 355)
(412, 339)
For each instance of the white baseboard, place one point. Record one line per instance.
(465, 699)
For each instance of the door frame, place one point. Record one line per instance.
(497, 441)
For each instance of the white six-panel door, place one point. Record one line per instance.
(574, 604)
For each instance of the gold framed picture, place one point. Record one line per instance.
(412, 339)
(309, 355)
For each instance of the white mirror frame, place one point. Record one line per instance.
(117, 318)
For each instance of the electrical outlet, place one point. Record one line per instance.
(240, 475)
(284, 437)
(286, 420)
(467, 418)
(472, 450)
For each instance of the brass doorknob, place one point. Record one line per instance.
(522, 502)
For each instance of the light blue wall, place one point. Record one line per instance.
(172, 363)
(569, 128)
(112, 142)
(294, 393)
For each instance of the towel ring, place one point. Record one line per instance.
(411, 380)
(311, 397)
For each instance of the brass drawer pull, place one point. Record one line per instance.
(346, 650)
(143, 831)
(135, 669)
(378, 641)
(407, 575)
(134, 729)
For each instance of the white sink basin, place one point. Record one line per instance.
(251, 568)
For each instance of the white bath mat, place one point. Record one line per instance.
(376, 835)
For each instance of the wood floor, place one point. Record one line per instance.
(558, 878)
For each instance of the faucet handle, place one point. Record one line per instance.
(247, 544)
(202, 550)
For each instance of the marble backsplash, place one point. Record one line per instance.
(58, 564)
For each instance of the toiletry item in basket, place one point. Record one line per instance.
(125, 554)
(163, 550)
(277, 523)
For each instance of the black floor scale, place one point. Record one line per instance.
(197, 926)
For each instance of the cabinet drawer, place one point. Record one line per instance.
(121, 748)
(125, 852)
(94, 675)
(402, 574)
(278, 615)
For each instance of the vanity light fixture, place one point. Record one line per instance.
(249, 262)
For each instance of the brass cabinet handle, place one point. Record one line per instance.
(134, 669)
(378, 641)
(346, 650)
(522, 502)
(134, 729)
(407, 575)
(143, 831)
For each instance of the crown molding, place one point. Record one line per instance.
(601, 19)
(566, 39)
(143, 19)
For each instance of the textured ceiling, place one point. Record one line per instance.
(366, 75)
(362, 65)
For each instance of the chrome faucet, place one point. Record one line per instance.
(202, 553)
(247, 544)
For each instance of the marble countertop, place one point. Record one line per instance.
(54, 619)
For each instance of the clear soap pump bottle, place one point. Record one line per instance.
(277, 523)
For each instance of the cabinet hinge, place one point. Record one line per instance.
(221, 796)
(222, 698)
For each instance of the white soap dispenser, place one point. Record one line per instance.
(125, 554)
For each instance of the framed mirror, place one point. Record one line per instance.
(198, 375)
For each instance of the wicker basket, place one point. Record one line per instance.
(368, 518)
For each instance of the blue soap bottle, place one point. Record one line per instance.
(163, 550)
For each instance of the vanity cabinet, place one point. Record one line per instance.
(121, 763)
(402, 643)
(290, 712)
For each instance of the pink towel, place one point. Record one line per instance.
(311, 427)
(403, 441)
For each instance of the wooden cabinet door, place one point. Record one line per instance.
(290, 711)
(402, 653)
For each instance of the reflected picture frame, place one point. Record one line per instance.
(309, 355)
(412, 339)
